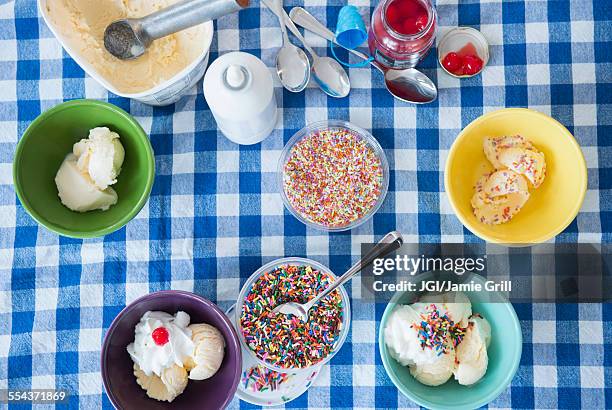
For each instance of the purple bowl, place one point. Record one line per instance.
(117, 366)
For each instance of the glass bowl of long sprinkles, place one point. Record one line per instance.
(333, 175)
(285, 343)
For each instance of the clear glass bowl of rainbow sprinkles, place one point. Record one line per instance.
(333, 175)
(285, 343)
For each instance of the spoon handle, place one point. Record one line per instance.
(188, 13)
(279, 9)
(304, 19)
(282, 14)
(389, 243)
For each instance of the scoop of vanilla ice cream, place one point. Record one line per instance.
(456, 305)
(436, 373)
(493, 146)
(172, 382)
(504, 182)
(175, 379)
(101, 156)
(483, 327)
(531, 164)
(499, 196)
(84, 178)
(76, 190)
(153, 358)
(208, 353)
(401, 339)
(426, 365)
(472, 357)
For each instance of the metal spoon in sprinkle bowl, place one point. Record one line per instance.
(389, 243)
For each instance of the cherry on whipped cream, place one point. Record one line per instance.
(160, 336)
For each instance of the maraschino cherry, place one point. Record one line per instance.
(472, 64)
(463, 62)
(453, 63)
(160, 336)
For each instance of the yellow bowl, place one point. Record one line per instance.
(551, 207)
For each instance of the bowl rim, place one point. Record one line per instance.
(581, 165)
(124, 219)
(291, 260)
(169, 293)
(326, 124)
(478, 404)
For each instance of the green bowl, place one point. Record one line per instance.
(48, 140)
(504, 355)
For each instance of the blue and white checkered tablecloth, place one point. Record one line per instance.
(215, 215)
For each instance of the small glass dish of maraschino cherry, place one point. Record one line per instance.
(463, 52)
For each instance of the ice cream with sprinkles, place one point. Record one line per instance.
(501, 194)
(439, 337)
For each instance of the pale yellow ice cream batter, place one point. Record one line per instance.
(81, 23)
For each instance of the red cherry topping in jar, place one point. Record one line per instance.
(409, 26)
(472, 64)
(421, 22)
(407, 17)
(160, 336)
(394, 15)
(453, 63)
(408, 8)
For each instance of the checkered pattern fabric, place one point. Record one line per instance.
(215, 215)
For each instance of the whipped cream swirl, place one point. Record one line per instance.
(153, 354)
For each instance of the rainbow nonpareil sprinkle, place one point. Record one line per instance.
(333, 177)
(283, 340)
(261, 379)
(437, 331)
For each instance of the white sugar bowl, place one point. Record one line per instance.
(240, 93)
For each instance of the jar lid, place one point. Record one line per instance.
(238, 85)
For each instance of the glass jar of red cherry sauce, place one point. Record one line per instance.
(402, 32)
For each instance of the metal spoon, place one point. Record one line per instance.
(409, 85)
(129, 38)
(389, 243)
(327, 72)
(292, 64)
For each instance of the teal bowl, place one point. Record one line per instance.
(48, 140)
(504, 355)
